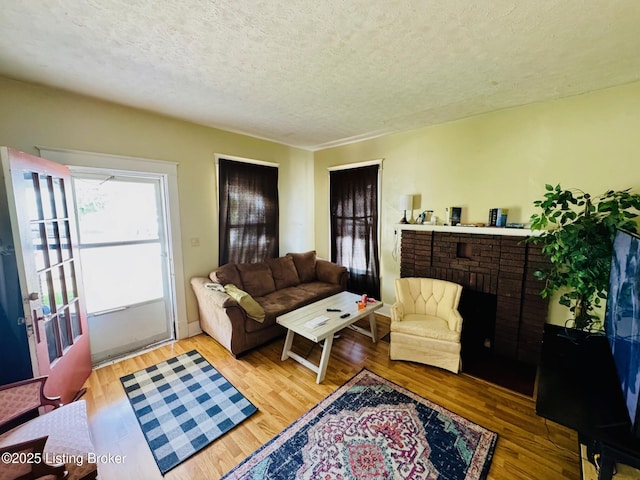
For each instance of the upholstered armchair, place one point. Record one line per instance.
(55, 444)
(425, 322)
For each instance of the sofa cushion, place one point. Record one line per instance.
(321, 289)
(246, 301)
(226, 274)
(305, 265)
(285, 300)
(257, 278)
(284, 272)
(329, 272)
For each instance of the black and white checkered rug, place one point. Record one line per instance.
(182, 405)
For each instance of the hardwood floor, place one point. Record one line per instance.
(527, 448)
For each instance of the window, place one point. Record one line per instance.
(354, 226)
(122, 248)
(248, 214)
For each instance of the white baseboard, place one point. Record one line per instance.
(194, 329)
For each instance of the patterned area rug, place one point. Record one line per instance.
(182, 405)
(373, 429)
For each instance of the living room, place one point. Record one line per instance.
(498, 158)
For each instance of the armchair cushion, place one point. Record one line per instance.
(426, 326)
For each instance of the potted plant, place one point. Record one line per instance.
(577, 238)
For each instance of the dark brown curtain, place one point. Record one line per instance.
(248, 217)
(354, 227)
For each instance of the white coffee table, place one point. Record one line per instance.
(296, 321)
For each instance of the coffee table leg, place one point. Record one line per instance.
(372, 325)
(324, 358)
(287, 344)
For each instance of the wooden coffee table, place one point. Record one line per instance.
(300, 322)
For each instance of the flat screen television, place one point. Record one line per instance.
(622, 319)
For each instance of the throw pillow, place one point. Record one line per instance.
(246, 301)
(257, 278)
(305, 265)
(329, 272)
(284, 272)
(226, 274)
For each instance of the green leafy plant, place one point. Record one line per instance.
(577, 238)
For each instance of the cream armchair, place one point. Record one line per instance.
(425, 322)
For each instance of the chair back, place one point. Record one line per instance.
(18, 398)
(428, 296)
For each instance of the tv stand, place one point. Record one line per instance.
(578, 388)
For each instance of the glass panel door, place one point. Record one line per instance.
(49, 272)
(123, 249)
(54, 261)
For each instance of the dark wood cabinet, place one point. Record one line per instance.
(578, 388)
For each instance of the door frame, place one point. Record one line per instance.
(78, 160)
(350, 166)
(109, 327)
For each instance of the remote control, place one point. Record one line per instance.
(333, 309)
(345, 315)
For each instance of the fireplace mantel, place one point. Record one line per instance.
(513, 232)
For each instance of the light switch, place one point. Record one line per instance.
(195, 242)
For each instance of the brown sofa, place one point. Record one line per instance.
(278, 285)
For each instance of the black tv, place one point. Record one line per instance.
(622, 319)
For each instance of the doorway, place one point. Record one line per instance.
(354, 212)
(123, 251)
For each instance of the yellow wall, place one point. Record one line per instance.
(500, 159)
(34, 115)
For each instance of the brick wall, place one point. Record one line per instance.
(495, 264)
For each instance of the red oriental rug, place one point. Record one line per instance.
(373, 429)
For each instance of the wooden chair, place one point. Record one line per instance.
(425, 322)
(57, 442)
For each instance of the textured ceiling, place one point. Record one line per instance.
(318, 73)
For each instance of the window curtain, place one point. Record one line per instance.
(248, 213)
(354, 227)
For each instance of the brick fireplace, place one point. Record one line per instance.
(502, 310)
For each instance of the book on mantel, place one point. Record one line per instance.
(498, 217)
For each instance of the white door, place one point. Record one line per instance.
(123, 250)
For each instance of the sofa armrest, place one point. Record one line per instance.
(221, 316)
(209, 296)
(331, 272)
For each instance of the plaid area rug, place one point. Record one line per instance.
(373, 429)
(182, 405)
